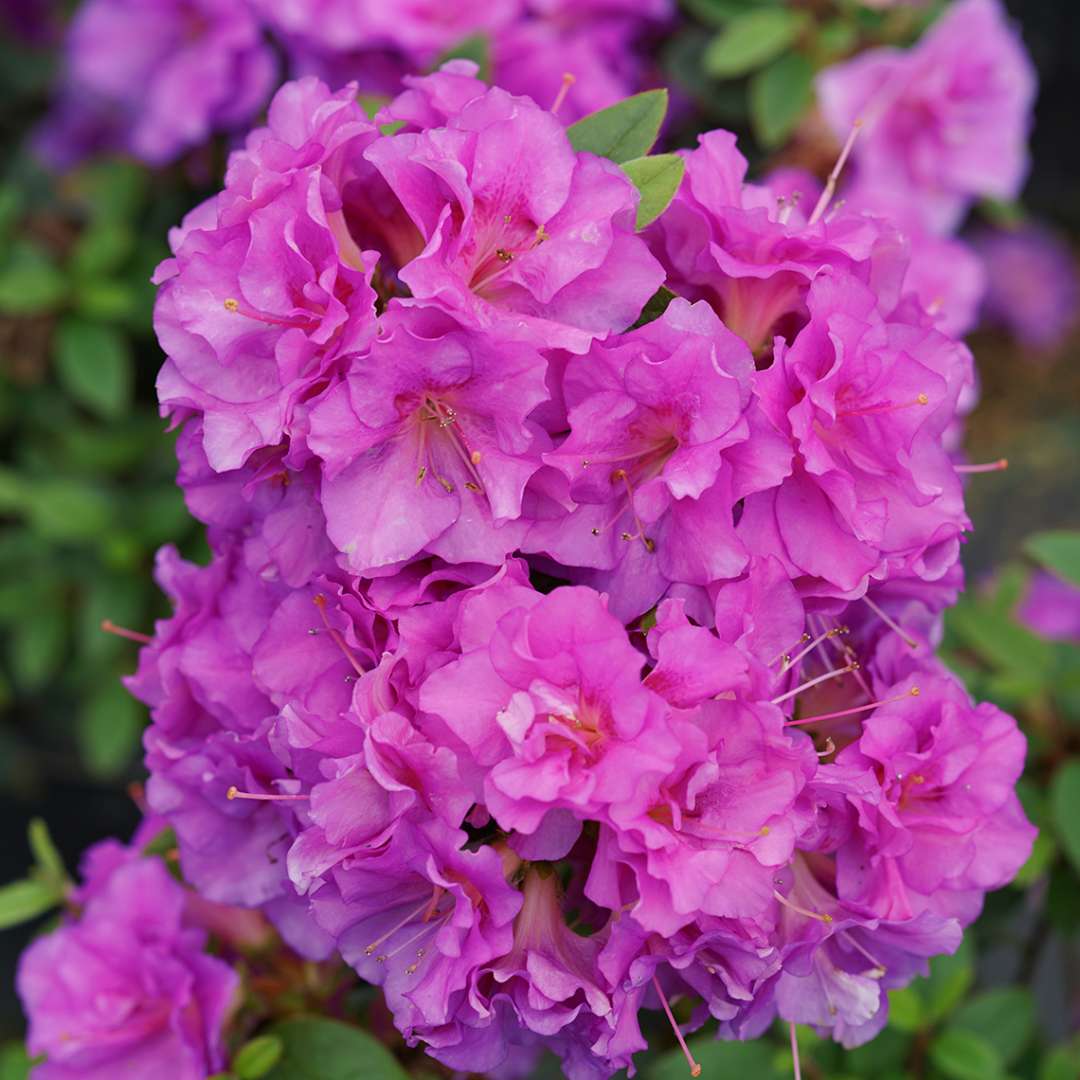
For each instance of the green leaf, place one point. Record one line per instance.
(1043, 852)
(95, 367)
(162, 844)
(906, 1011)
(38, 644)
(30, 282)
(717, 1059)
(949, 980)
(109, 728)
(1004, 1018)
(102, 248)
(65, 509)
(321, 1049)
(653, 309)
(258, 1057)
(962, 1055)
(1062, 1063)
(657, 179)
(1058, 551)
(47, 858)
(477, 48)
(623, 131)
(24, 900)
(779, 96)
(752, 39)
(14, 1062)
(1065, 801)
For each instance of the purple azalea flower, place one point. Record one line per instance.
(521, 236)
(125, 986)
(663, 443)
(557, 715)
(944, 123)
(752, 251)
(427, 445)
(267, 293)
(947, 825)
(156, 79)
(865, 403)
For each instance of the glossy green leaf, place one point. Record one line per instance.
(623, 131)
(780, 94)
(1058, 551)
(94, 365)
(21, 901)
(657, 179)
(656, 306)
(256, 1058)
(1065, 802)
(1004, 1017)
(963, 1055)
(752, 39)
(319, 1049)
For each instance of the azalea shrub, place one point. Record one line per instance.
(565, 662)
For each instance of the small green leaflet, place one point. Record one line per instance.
(624, 131)
(657, 179)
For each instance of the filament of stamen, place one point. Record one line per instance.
(890, 623)
(695, 1068)
(234, 305)
(235, 793)
(913, 692)
(795, 1051)
(369, 949)
(885, 407)
(836, 631)
(991, 466)
(853, 666)
(335, 636)
(834, 176)
(568, 80)
(820, 916)
(785, 656)
(650, 545)
(879, 967)
(121, 631)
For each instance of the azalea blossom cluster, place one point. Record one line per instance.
(567, 648)
(943, 124)
(157, 78)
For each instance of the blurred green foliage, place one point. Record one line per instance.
(87, 488)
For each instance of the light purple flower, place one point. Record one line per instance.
(125, 988)
(945, 123)
(156, 79)
(1051, 607)
(1034, 288)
